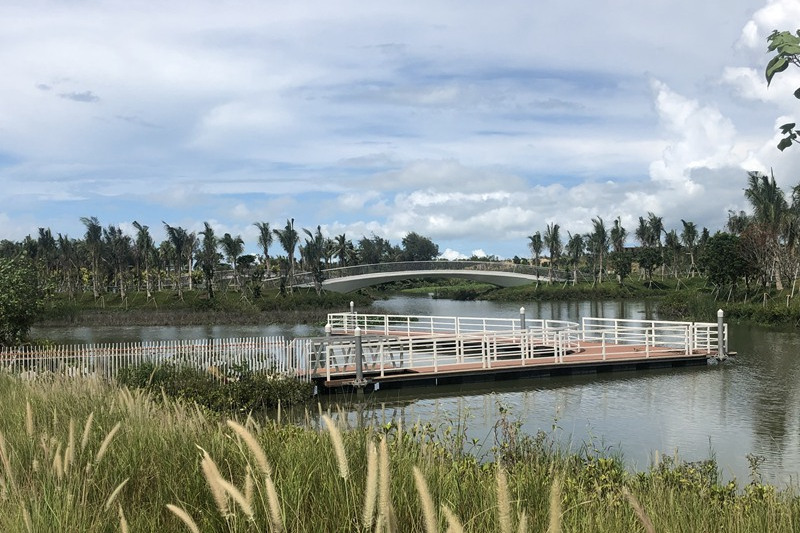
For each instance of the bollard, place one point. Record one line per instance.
(352, 306)
(720, 334)
(522, 325)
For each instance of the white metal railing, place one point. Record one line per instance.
(442, 352)
(346, 323)
(217, 356)
(691, 337)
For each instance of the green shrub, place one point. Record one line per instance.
(224, 390)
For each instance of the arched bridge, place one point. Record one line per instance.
(503, 274)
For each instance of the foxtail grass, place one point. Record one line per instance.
(257, 475)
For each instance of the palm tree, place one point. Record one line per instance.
(673, 244)
(48, 251)
(575, 249)
(264, 241)
(288, 239)
(68, 257)
(552, 239)
(689, 240)
(771, 213)
(191, 247)
(314, 254)
(144, 250)
(618, 235)
(93, 240)
(599, 243)
(179, 239)
(208, 257)
(344, 250)
(642, 233)
(535, 246)
(118, 248)
(232, 248)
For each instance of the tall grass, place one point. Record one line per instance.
(88, 456)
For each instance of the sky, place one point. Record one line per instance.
(475, 124)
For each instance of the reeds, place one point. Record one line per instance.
(271, 477)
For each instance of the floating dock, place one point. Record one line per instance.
(378, 352)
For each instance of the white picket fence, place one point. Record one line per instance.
(220, 357)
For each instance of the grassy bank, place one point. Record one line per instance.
(86, 456)
(304, 306)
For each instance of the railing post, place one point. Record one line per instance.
(721, 334)
(522, 319)
(360, 382)
(603, 342)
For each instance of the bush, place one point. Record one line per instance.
(235, 389)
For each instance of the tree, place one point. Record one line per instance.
(787, 52)
(264, 241)
(418, 248)
(552, 239)
(208, 257)
(232, 248)
(621, 263)
(179, 239)
(575, 248)
(93, 241)
(771, 213)
(598, 243)
(649, 259)
(143, 252)
(314, 254)
(722, 259)
(673, 244)
(288, 238)
(689, 240)
(118, 253)
(21, 300)
(618, 236)
(344, 250)
(535, 245)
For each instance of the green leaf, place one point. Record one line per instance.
(787, 128)
(776, 64)
(791, 49)
(785, 143)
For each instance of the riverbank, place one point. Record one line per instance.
(303, 306)
(115, 452)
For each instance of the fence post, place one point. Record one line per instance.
(721, 334)
(522, 319)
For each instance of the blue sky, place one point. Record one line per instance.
(473, 124)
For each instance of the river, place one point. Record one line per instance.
(747, 405)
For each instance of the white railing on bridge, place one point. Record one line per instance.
(217, 356)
